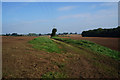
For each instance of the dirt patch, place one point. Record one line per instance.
(20, 60)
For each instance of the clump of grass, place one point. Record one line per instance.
(46, 44)
(92, 46)
(54, 75)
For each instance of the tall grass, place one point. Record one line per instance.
(46, 44)
(92, 46)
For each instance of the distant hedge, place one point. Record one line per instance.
(113, 32)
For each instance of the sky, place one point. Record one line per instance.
(60, 0)
(42, 17)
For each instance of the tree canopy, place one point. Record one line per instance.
(54, 30)
(113, 32)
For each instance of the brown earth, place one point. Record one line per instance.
(20, 60)
(112, 43)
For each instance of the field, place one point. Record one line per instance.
(43, 57)
(111, 43)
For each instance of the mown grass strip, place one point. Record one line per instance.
(92, 46)
(46, 44)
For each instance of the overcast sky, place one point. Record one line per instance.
(41, 17)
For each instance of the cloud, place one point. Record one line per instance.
(102, 18)
(74, 16)
(108, 4)
(108, 12)
(35, 21)
(66, 8)
(32, 22)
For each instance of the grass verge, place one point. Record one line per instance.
(46, 44)
(92, 46)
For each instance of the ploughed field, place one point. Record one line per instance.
(112, 43)
(43, 57)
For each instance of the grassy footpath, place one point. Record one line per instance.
(92, 46)
(46, 44)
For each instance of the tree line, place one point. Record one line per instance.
(35, 34)
(16, 34)
(113, 32)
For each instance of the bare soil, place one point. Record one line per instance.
(112, 43)
(20, 60)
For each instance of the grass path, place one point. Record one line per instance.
(84, 63)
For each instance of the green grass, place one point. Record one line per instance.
(46, 44)
(65, 36)
(54, 75)
(106, 68)
(92, 46)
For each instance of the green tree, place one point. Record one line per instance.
(14, 34)
(54, 30)
(112, 32)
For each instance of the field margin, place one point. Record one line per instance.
(92, 46)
